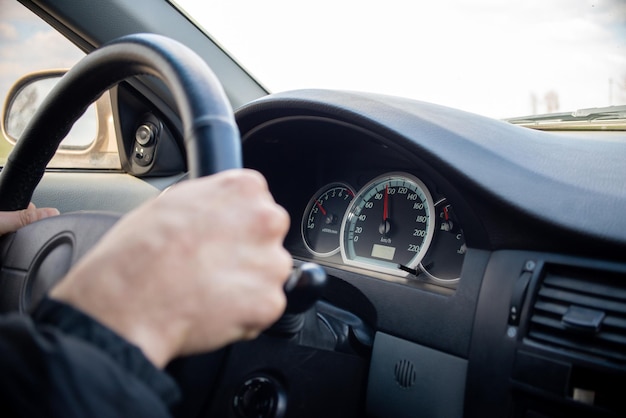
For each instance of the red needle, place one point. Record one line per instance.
(445, 213)
(321, 208)
(386, 204)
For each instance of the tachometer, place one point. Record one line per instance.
(322, 218)
(389, 225)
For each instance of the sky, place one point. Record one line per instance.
(27, 44)
(493, 57)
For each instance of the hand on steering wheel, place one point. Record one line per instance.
(197, 268)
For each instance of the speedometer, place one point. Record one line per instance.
(389, 225)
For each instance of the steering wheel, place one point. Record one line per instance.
(38, 255)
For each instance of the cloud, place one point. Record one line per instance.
(485, 56)
(12, 10)
(8, 32)
(28, 44)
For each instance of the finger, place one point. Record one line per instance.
(12, 221)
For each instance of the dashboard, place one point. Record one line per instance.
(444, 231)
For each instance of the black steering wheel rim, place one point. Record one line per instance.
(212, 139)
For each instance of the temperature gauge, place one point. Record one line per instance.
(322, 218)
(445, 257)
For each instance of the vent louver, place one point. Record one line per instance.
(581, 311)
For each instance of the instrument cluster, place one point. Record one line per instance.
(392, 225)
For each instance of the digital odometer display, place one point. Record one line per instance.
(389, 225)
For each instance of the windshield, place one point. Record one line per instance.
(492, 57)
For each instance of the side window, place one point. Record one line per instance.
(31, 49)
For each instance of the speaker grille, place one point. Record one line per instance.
(405, 373)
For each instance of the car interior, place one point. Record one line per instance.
(449, 264)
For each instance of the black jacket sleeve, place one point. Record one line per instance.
(60, 362)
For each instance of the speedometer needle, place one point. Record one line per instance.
(386, 204)
(385, 226)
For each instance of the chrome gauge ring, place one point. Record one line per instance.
(389, 225)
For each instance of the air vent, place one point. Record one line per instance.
(582, 312)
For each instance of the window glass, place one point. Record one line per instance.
(492, 57)
(29, 45)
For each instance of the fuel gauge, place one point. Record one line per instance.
(444, 259)
(321, 222)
